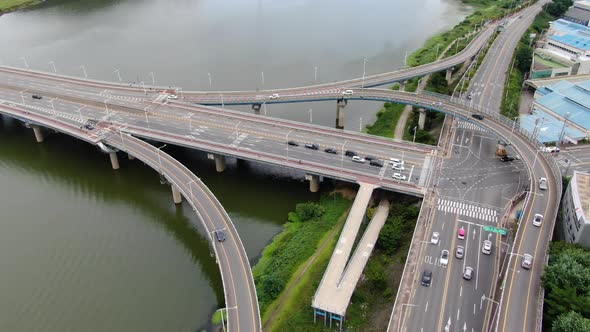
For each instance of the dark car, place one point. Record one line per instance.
(369, 158)
(331, 150)
(375, 162)
(89, 126)
(477, 116)
(293, 143)
(36, 97)
(350, 153)
(312, 146)
(426, 278)
(507, 158)
(220, 236)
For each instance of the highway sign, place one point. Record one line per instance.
(501, 231)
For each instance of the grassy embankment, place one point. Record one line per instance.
(521, 63)
(388, 116)
(7, 6)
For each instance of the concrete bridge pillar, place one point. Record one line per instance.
(340, 104)
(130, 157)
(314, 182)
(219, 163)
(38, 134)
(114, 160)
(421, 118)
(449, 75)
(402, 86)
(176, 194)
(256, 108)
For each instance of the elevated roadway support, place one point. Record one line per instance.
(256, 108)
(402, 86)
(114, 160)
(449, 75)
(314, 182)
(421, 118)
(38, 134)
(340, 104)
(219, 163)
(335, 290)
(176, 194)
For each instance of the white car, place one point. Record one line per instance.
(358, 159)
(172, 97)
(398, 167)
(434, 238)
(398, 176)
(487, 247)
(551, 149)
(347, 92)
(538, 220)
(543, 183)
(396, 161)
(527, 262)
(274, 96)
(444, 258)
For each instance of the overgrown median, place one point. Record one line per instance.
(7, 6)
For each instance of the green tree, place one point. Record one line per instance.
(308, 211)
(523, 58)
(572, 321)
(273, 285)
(375, 273)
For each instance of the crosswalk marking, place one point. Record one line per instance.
(470, 126)
(238, 140)
(468, 210)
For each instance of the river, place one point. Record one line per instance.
(85, 248)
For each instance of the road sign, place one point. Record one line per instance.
(501, 231)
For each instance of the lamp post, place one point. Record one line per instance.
(406, 59)
(84, 71)
(190, 186)
(565, 118)
(22, 96)
(364, 67)
(80, 113)
(315, 73)
(52, 107)
(105, 106)
(25, 61)
(147, 119)
(414, 140)
(437, 46)
(118, 74)
(160, 158)
(287, 140)
(143, 86)
(262, 74)
(153, 78)
(512, 131)
(361, 125)
(342, 159)
(210, 80)
(310, 115)
(52, 63)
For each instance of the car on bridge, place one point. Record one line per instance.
(312, 146)
(444, 258)
(477, 116)
(398, 167)
(543, 183)
(331, 150)
(398, 176)
(293, 143)
(347, 92)
(396, 161)
(172, 97)
(358, 159)
(487, 247)
(507, 158)
(426, 278)
(459, 252)
(468, 273)
(219, 235)
(461, 234)
(551, 149)
(350, 153)
(434, 238)
(36, 97)
(274, 96)
(527, 261)
(538, 220)
(375, 162)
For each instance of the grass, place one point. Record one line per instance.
(291, 248)
(387, 118)
(12, 5)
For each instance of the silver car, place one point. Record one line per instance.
(459, 252)
(527, 262)
(468, 273)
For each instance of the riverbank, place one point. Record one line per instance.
(485, 10)
(7, 6)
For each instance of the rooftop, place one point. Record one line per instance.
(549, 127)
(566, 99)
(571, 34)
(544, 62)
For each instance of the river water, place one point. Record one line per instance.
(85, 248)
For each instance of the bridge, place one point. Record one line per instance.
(122, 112)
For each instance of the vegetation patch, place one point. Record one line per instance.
(13, 5)
(567, 289)
(386, 121)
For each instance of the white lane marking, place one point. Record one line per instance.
(461, 291)
(458, 312)
(426, 308)
(478, 254)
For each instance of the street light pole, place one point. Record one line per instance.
(315, 73)
(25, 61)
(414, 140)
(437, 46)
(512, 131)
(118, 74)
(342, 159)
(153, 78)
(105, 106)
(210, 80)
(143, 86)
(80, 113)
(565, 118)
(52, 63)
(160, 158)
(287, 140)
(262, 74)
(84, 71)
(361, 125)
(310, 115)
(147, 119)
(364, 67)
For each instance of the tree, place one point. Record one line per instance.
(272, 286)
(571, 321)
(308, 211)
(523, 58)
(390, 237)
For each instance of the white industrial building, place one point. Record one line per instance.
(575, 209)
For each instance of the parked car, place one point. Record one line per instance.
(398, 176)
(468, 273)
(398, 167)
(219, 235)
(331, 150)
(426, 278)
(459, 252)
(444, 258)
(350, 153)
(461, 234)
(347, 92)
(434, 238)
(506, 158)
(543, 183)
(477, 116)
(293, 143)
(358, 159)
(312, 146)
(487, 247)
(375, 162)
(538, 220)
(36, 97)
(527, 262)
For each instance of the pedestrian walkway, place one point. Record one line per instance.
(468, 210)
(470, 126)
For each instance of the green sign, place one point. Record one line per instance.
(501, 231)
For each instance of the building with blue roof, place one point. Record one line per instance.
(563, 103)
